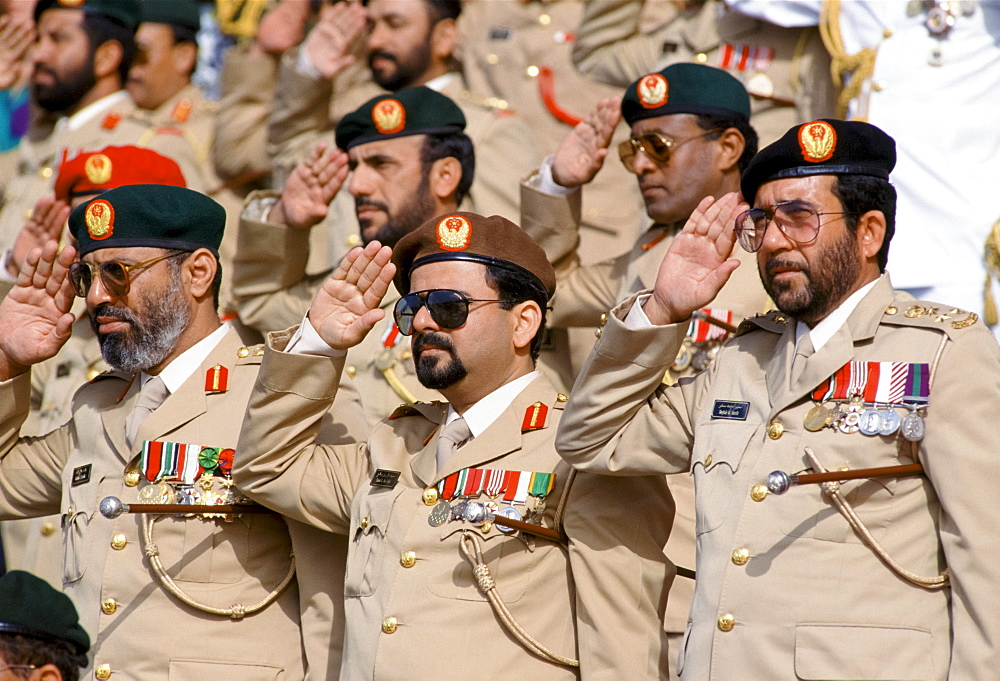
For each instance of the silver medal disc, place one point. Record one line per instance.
(890, 422)
(508, 512)
(458, 510)
(474, 512)
(913, 427)
(870, 422)
(440, 514)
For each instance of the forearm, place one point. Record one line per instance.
(240, 142)
(301, 111)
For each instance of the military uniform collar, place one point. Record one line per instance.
(824, 330)
(92, 111)
(181, 369)
(483, 413)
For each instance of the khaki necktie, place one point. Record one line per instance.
(452, 435)
(150, 397)
(803, 351)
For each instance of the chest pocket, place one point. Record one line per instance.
(369, 525)
(79, 505)
(720, 446)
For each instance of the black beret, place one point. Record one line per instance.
(471, 237)
(182, 13)
(148, 215)
(685, 89)
(125, 12)
(30, 607)
(823, 147)
(410, 111)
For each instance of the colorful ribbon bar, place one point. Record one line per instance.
(515, 486)
(878, 382)
(700, 330)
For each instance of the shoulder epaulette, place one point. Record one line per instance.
(249, 355)
(499, 106)
(929, 315)
(773, 321)
(414, 409)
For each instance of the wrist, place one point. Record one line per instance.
(659, 313)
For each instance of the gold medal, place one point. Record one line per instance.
(816, 418)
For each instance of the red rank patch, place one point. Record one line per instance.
(534, 417)
(217, 379)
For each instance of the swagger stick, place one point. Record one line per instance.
(112, 507)
(778, 482)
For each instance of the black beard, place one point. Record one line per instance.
(65, 93)
(406, 72)
(429, 373)
(416, 211)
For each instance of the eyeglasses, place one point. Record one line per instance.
(18, 666)
(656, 146)
(449, 309)
(796, 221)
(114, 275)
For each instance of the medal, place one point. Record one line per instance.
(850, 421)
(491, 508)
(913, 427)
(817, 418)
(154, 494)
(458, 510)
(440, 514)
(474, 512)
(508, 512)
(683, 359)
(890, 422)
(870, 422)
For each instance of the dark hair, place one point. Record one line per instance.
(175, 269)
(513, 288)
(444, 9)
(457, 145)
(722, 123)
(18, 650)
(100, 29)
(859, 194)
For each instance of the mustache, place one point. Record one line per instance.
(775, 263)
(41, 68)
(438, 340)
(382, 54)
(362, 201)
(108, 310)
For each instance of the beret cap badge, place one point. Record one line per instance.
(389, 116)
(100, 219)
(652, 91)
(98, 168)
(818, 141)
(454, 233)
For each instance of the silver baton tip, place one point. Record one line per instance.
(778, 482)
(112, 507)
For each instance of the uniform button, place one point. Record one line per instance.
(604, 319)
(109, 606)
(486, 527)
(532, 71)
(597, 332)
(892, 309)
(353, 240)
(758, 492)
(726, 622)
(103, 672)
(741, 556)
(775, 430)
(243, 352)
(701, 57)
(544, 19)
(45, 172)
(48, 529)
(406, 354)
(408, 559)
(887, 33)
(131, 478)
(430, 496)
(389, 625)
(364, 523)
(351, 371)
(492, 59)
(879, 85)
(560, 397)
(708, 461)
(118, 542)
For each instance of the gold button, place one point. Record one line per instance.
(131, 478)
(879, 86)
(708, 461)
(741, 556)
(364, 523)
(406, 354)
(92, 373)
(389, 625)
(604, 319)
(353, 240)
(351, 371)
(775, 430)
(430, 496)
(103, 672)
(887, 33)
(892, 309)
(28, 213)
(758, 492)
(48, 529)
(726, 622)
(701, 57)
(492, 59)
(408, 559)
(486, 527)
(118, 542)
(597, 333)
(561, 398)
(45, 172)
(532, 71)
(243, 352)
(544, 19)
(109, 606)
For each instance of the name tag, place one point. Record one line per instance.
(81, 475)
(384, 478)
(731, 410)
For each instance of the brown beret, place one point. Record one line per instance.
(471, 237)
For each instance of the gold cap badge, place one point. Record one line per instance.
(652, 91)
(454, 233)
(389, 116)
(100, 219)
(818, 140)
(71, 3)
(98, 168)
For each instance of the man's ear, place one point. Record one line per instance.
(444, 39)
(107, 58)
(870, 233)
(731, 146)
(528, 317)
(444, 178)
(199, 269)
(185, 57)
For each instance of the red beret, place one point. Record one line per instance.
(95, 172)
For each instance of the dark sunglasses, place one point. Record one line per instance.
(657, 147)
(449, 309)
(114, 275)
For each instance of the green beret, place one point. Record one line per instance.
(823, 147)
(410, 111)
(471, 237)
(30, 607)
(685, 89)
(148, 215)
(182, 13)
(125, 12)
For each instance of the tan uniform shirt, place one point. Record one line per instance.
(138, 629)
(785, 587)
(413, 606)
(786, 70)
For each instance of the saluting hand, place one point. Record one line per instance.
(698, 263)
(329, 42)
(308, 191)
(346, 308)
(44, 225)
(582, 153)
(16, 36)
(34, 317)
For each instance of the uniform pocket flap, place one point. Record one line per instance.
(846, 652)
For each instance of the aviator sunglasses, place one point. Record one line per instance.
(449, 309)
(798, 222)
(656, 146)
(114, 275)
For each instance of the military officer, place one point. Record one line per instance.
(433, 572)
(786, 71)
(871, 574)
(159, 428)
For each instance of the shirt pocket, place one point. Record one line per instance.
(79, 524)
(846, 652)
(369, 527)
(720, 446)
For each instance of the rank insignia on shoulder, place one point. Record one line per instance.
(217, 379)
(403, 410)
(534, 417)
(182, 111)
(111, 121)
(385, 478)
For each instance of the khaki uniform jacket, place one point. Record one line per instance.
(785, 587)
(137, 628)
(239, 145)
(414, 615)
(786, 70)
